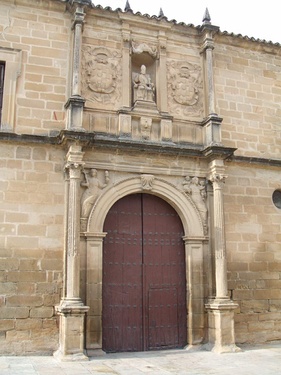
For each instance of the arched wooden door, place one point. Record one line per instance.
(144, 277)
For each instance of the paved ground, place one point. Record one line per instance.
(258, 360)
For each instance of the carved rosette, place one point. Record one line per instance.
(185, 88)
(101, 75)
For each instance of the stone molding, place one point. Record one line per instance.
(13, 65)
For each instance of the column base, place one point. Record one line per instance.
(78, 357)
(95, 352)
(72, 317)
(221, 326)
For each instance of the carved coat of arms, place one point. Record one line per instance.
(184, 88)
(100, 75)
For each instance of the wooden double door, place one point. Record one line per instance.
(144, 276)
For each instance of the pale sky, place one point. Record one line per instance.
(253, 18)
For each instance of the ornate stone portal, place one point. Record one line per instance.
(149, 83)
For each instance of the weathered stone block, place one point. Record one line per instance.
(42, 312)
(14, 312)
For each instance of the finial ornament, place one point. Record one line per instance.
(161, 13)
(128, 7)
(206, 17)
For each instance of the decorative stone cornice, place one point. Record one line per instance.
(218, 152)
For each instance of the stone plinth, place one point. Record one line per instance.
(72, 320)
(221, 326)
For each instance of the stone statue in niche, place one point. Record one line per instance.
(144, 89)
(197, 190)
(93, 187)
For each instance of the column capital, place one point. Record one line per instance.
(208, 44)
(216, 173)
(75, 154)
(74, 162)
(217, 178)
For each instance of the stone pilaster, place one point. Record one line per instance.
(211, 123)
(71, 309)
(161, 89)
(75, 103)
(194, 289)
(126, 68)
(94, 293)
(221, 308)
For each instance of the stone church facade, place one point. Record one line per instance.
(140, 182)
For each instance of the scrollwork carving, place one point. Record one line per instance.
(143, 47)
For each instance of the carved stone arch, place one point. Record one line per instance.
(187, 211)
(194, 240)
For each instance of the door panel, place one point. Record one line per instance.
(144, 287)
(122, 277)
(163, 324)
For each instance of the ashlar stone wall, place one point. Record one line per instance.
(248, 81)
(31, 247)
(253, 233)
(39, 34)
(34, 43)
(248, 95)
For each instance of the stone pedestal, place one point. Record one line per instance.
(75, 107)
(72, 320)
(221, 326)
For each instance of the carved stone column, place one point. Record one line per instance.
(126, 69)
(221, 309)
(162, 95)
(75, 103)
(212, 122)
(125, 119)
(71, 309)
